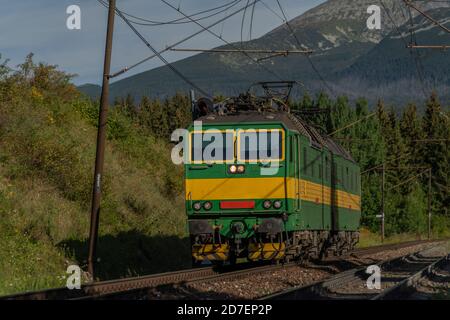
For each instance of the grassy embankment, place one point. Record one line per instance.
(47, 144)
(47, 148)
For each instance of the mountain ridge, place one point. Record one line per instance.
(336, 30)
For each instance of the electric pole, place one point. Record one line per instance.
(101, 137)
(429, 203)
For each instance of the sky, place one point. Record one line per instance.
(39, 26)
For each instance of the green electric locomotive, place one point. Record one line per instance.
(262, 184)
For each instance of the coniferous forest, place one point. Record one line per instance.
(409, 139)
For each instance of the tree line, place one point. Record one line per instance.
(407, 141)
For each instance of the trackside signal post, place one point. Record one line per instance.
(383, 181)
(429, 203)
(101, 137)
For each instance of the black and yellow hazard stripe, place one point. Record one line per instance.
(266, 251)
(210, 252)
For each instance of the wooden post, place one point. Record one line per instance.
(101, 139)
(429, 203)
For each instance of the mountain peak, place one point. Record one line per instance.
(337, 22)
(351, 58)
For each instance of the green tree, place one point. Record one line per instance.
(411, 130)
(178, 112)
(435, 155)
(128, 107)
(144, 115)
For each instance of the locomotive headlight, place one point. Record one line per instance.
(207, 205)
(232, 168)
(197, 206)
(277, 204)
(267, 204)
(241, 169)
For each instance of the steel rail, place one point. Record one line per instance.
(233, 275)
(110, 286)
(406, 286)
(319, 289)
(175, 277)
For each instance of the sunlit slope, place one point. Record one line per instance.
(47, 143)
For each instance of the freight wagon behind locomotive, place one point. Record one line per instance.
(277, 189)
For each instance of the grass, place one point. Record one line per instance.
(369, 239)
(47, 145)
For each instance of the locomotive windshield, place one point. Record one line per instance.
(212, 146)
(260, 145)
(252, 145)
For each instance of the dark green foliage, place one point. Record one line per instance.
(162, 118)
(436, 126)
(398, 142)
(384, 137)
(47, 150)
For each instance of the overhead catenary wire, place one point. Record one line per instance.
(242, 23)
(416, 59)
(408, 180)
(251, 21)
(384, 163)
(168, 64)
(223, 26)
(273, 11)
(313, 66)
(416, 55)
(281, 52)
(437, 23)
(397, 28)
(231, 44)
(128, 68)
(148, 22)
(410, 5)
(414, 140)
(353, 123)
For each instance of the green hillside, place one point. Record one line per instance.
(47, 143)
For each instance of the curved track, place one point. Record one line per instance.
(397, 278)
(434, 277)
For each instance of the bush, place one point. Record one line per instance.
(47, 139)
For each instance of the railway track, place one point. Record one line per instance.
(434, 277)
(140, 286)
(145, 293)
(398, 278)
(105, 287)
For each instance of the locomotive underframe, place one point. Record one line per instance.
(276, 244)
